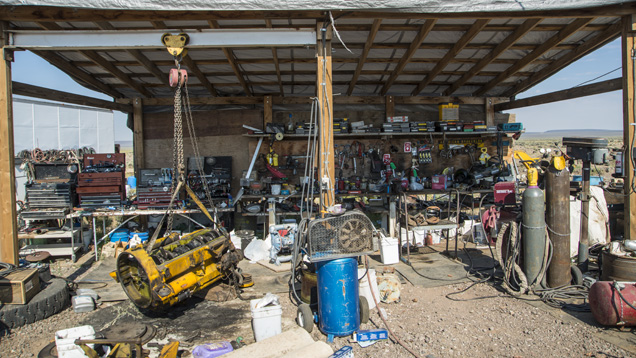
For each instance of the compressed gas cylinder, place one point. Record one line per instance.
(608, 307)
(533, 230)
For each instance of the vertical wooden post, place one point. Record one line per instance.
(629, 55)
(8, 227)
(267, 111)
(326, 168)
(490, 112)
(389, 105)
(138, 135)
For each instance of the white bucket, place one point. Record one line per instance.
(266, 321)
(420, 235)
(276, 189)
(65, 341)
(389, 251)
(406, 239)
(436, 235)
(364, 286)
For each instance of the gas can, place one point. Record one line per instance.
(608, 307)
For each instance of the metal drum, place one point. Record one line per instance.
(338, 297)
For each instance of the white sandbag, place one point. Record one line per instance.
(598, 224)
(258, 249)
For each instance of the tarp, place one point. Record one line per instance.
(410, 6)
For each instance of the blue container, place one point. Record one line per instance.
(338, 297)
(212, 350)
(132, 182)
(120, 235)
(594, 180)
(142, 235)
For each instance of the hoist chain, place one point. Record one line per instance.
(177, 150)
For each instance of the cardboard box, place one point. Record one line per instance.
(19, 287)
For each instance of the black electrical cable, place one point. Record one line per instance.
(6, 268)
(615, 284)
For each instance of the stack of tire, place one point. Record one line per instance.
(54, 296)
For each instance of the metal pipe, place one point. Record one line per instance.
(583, 260)
(557, 191)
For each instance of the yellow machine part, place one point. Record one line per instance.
(158, 280)
(525, 159)
(533, 177)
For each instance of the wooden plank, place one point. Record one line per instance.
(229, 54)
(79, 75)
(326, 158)
(425, 29)
(389, 105)
(268, 23)
(138, 135)
(106, 65)
(267, 110)
(24, 89)
(576, 92)
(363, 58)
(158, 24)
(8, 229)
(504, 45)
(561, 36)
(628, 42)
(580, 51)
(459, 45)
(169, 101)
(187, 60)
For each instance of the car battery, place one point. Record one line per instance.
(505, 193)
(438, 182)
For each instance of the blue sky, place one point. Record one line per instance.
(603, 111)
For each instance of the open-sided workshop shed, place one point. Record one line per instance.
(251, 57)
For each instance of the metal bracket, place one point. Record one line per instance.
(176, 43)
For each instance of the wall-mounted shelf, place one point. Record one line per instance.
(384, 135)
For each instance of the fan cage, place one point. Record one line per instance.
(346, 235)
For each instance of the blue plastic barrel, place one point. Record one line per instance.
(338, 297)
(132, 182)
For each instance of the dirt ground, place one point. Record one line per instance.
(425, 320)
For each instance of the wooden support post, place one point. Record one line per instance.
(490, 112)
(138, 135)
(326, 169)
(267, 111)
(389, 105)
(8, 229)
(629, 55)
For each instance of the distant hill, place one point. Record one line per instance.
(560, 133)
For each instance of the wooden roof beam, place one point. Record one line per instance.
(425, 29)
(580, 51)
(28, 90)
(143, 60)
(561, 36)
(459, 45)
(571, 93)
(81, 76)
(106, 65)
(159, 24)
(504, 45)
(268, 23)
(187, 60)
(229, 54)
(363, 58)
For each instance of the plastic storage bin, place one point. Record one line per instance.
(266, 321)
(389, 251)
(65, 341)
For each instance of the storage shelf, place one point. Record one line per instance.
(389, 135)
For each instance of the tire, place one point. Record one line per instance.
(364, 310)
(305, 317)
(49, 351)
(577, 275)
(52, 299)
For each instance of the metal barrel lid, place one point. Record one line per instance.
(590, 142)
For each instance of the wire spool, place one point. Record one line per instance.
(433, 214)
